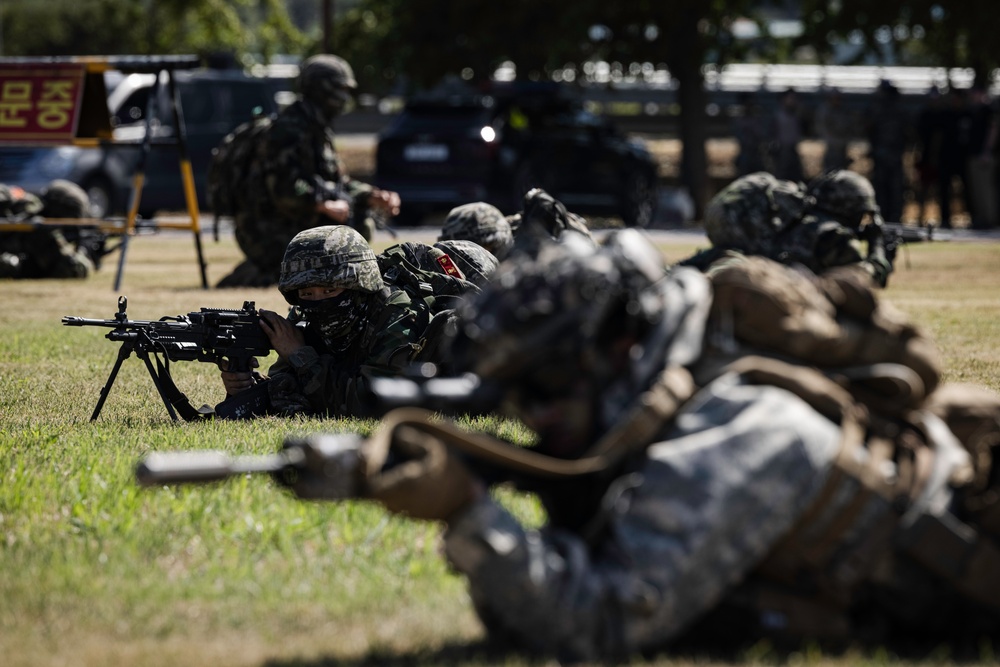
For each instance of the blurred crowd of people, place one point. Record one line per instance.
(951, 134)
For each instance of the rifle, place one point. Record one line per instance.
(318, 467)
(209, 335)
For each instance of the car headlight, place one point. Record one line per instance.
(58, 162)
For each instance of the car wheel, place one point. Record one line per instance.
(638, 200)
(101, 195)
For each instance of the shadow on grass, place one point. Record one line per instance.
(917, 651)
(473, 653)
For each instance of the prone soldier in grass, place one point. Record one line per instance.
(817, 226)
(48, 251)
(346, 325)
(751, 454)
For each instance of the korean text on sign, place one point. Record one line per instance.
(40, 104)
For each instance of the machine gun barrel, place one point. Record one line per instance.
(72, 321)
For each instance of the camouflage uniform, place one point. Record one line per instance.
(680, 528)
(374, 330)
(844, 198)
(476, 262)
(48, 252)
(295, 168)
(481, 223)
(817, 227)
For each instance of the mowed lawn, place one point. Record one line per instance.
(96, 571)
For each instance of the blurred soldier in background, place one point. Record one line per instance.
(480, 223)
(296, 180)
(888, 136)
(817, 227)
(701, 476)
(345, 326)
(751, 131)
(48, 252)
(786, 136)
(835, 125)
(543, 218)
(841, 210)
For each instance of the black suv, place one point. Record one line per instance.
(213, 102)
(443, 150)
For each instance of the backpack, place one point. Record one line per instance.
(834, 322)
(230, 167)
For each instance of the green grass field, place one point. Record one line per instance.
(96, 571)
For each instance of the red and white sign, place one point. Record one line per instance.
(40, 103)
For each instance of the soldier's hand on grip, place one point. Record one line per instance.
(425, 479)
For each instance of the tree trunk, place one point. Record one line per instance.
(685, 66)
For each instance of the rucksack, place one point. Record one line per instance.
(230, 168)
(834, 322)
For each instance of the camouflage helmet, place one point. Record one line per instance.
(65, 199)
(476, 263)
(544, 321)
(747, 214)
(325, 79)
(482, 223)
(331, 256)
(844, 194)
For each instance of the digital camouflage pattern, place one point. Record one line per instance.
(476, 262)
(747, 214)
(295, 167)
(47, 252)
(481, 223)
(328, 256)
(330, 375)
(816, 227)
(845, 195)
(426, 273)
(317, 381)
(702, 521)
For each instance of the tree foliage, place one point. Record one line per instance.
(916, 32)
(120, 27)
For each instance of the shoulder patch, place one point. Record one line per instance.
(448, 266)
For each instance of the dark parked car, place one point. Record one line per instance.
(445, 150)
(213, 103)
